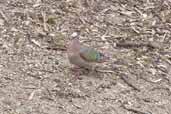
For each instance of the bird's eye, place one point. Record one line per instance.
(101, 55)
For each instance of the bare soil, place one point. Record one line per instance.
(36, 76)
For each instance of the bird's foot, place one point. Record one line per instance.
(77, 71)
(75, 68)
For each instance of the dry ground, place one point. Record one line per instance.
(35, 75)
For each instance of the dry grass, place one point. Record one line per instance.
(35, 76)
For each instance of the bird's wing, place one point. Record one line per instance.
(89, 54)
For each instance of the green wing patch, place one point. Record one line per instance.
(89, 54)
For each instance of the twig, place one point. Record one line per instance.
(162, 88)
(135, 110)
(61, 48)
(4, 16)
(151, 81)
(104, 71)
(32, 94)
(128, 83)
(33, 41)
(44, 21)
(165, 59)
(137, 45)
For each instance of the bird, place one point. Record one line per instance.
(83, 56)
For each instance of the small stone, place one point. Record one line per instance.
(74, 34)
(2, 22)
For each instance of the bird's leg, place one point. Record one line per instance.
(75, 68)
(77, 71)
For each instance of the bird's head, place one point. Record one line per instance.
(102, 58)
(73, 45)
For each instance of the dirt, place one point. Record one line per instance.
(36, 76)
